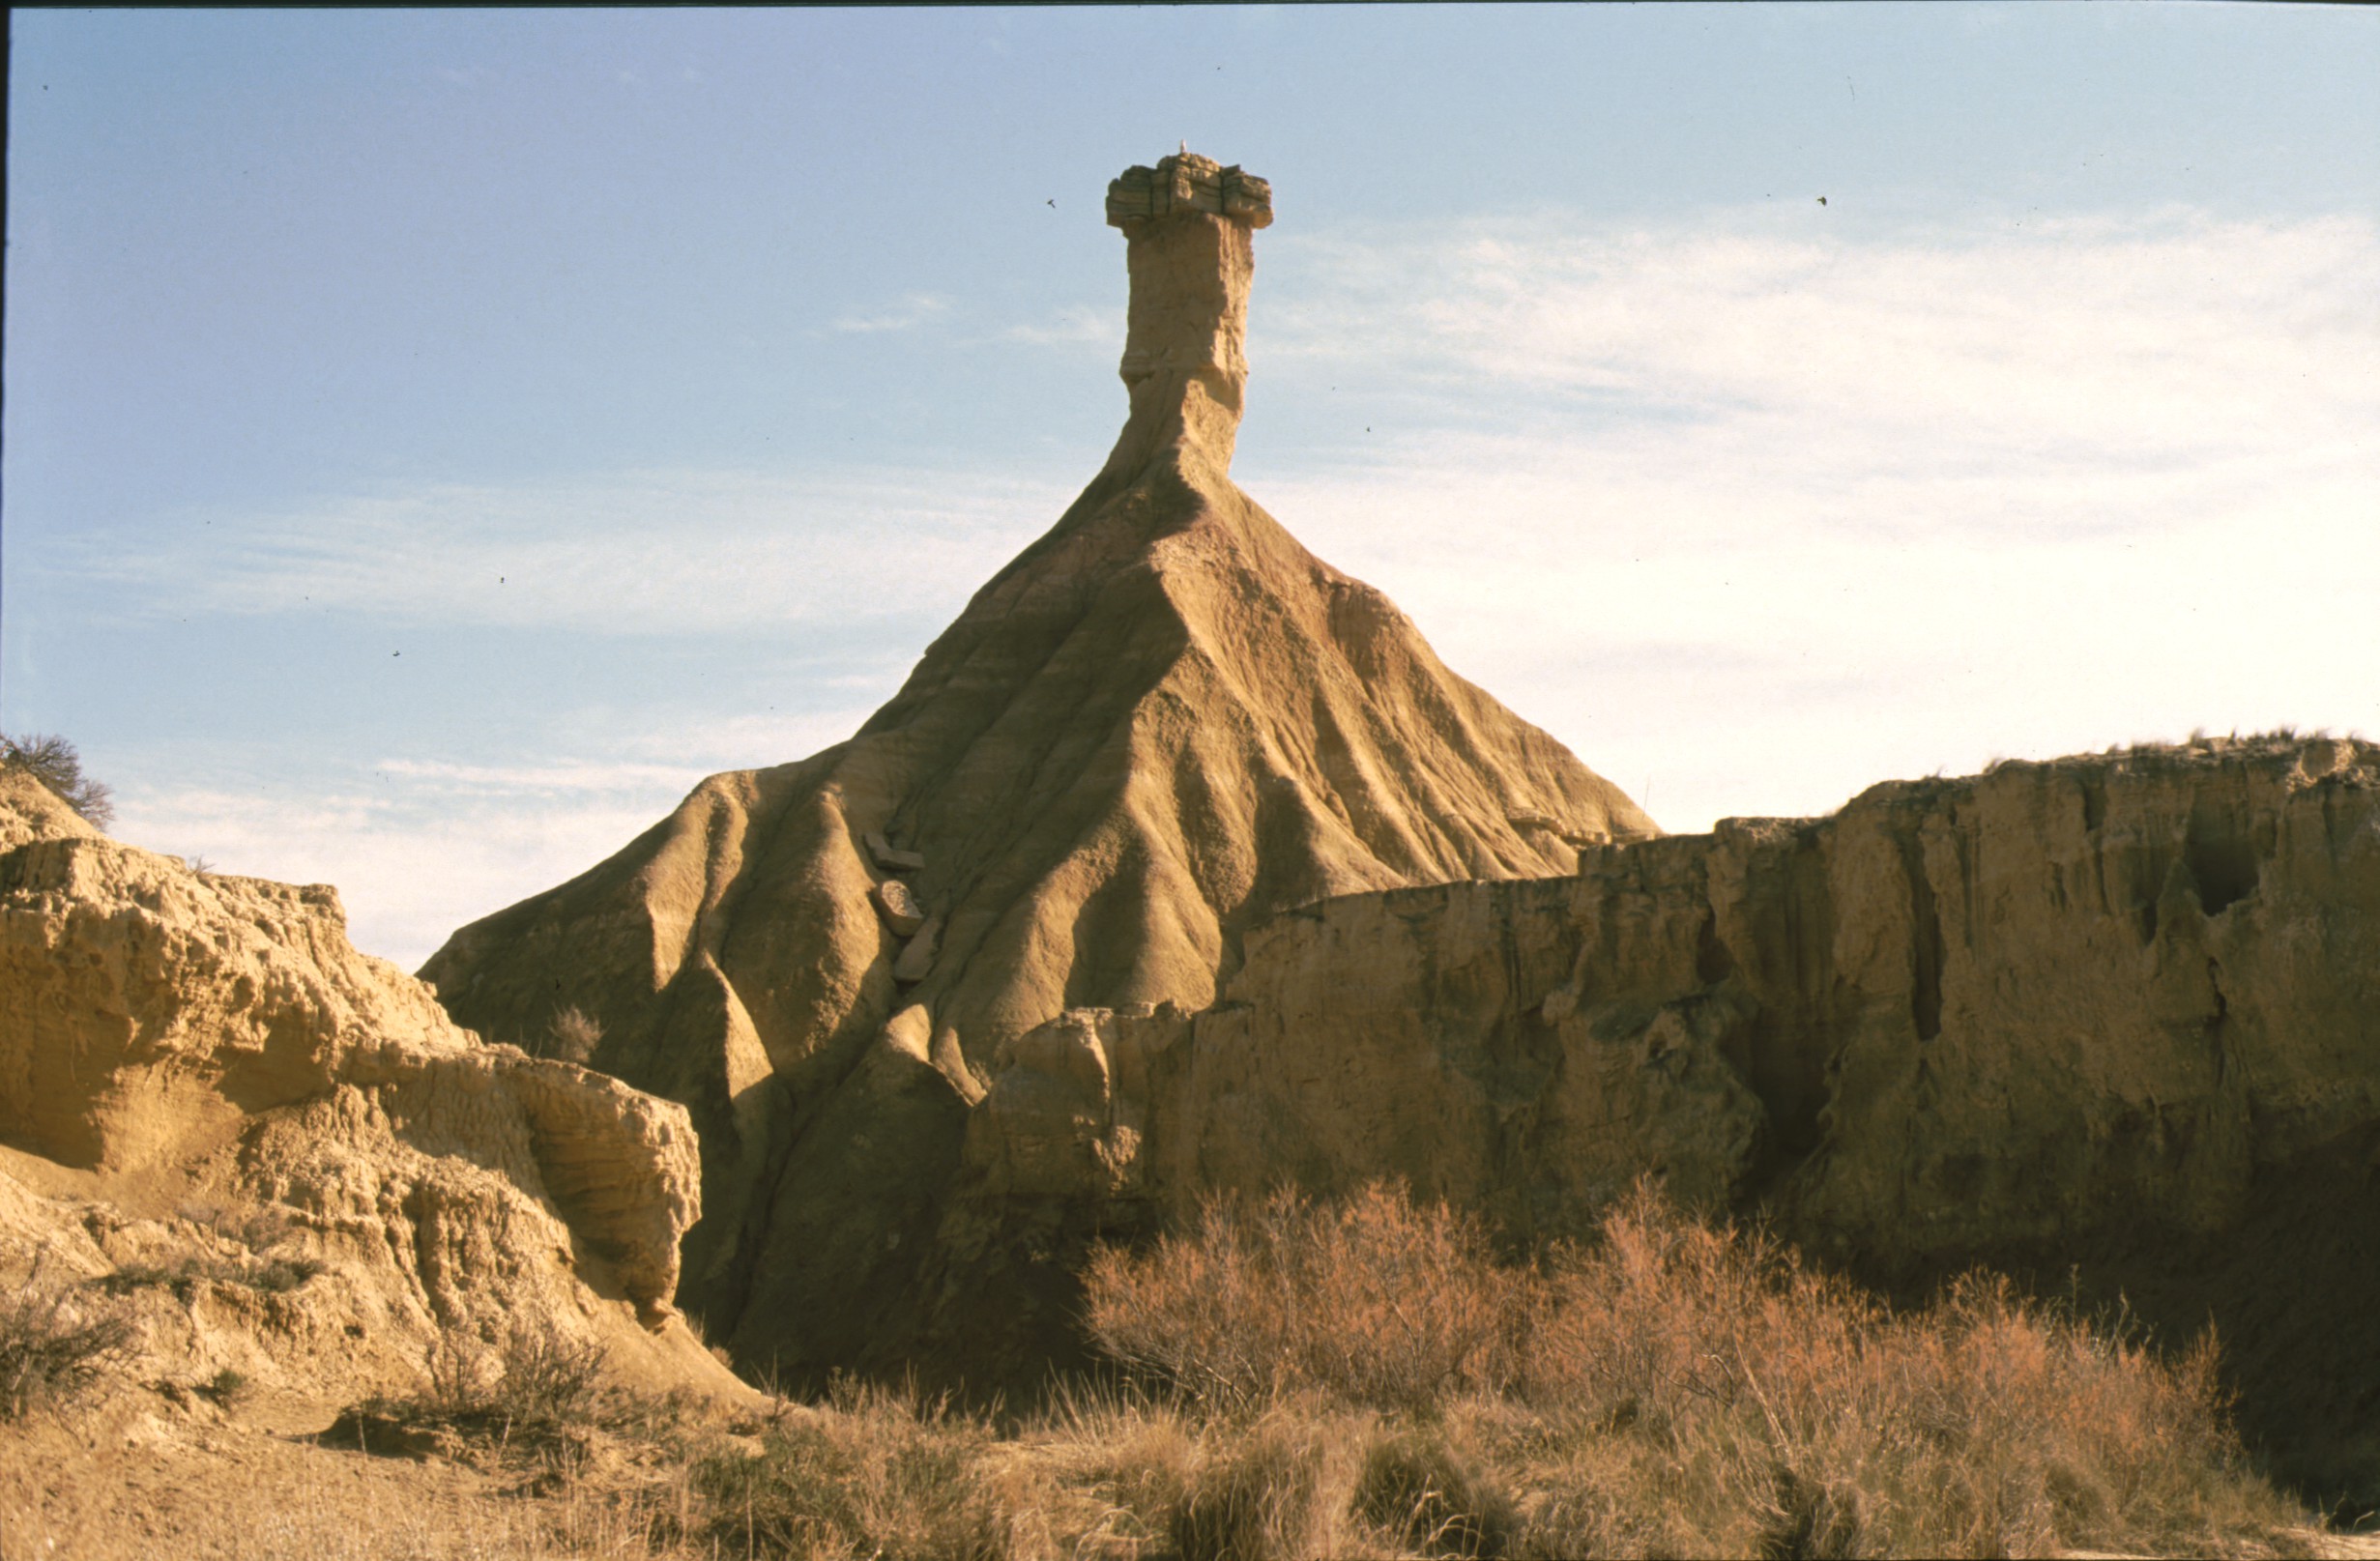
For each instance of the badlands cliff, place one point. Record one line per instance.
(1164, 721)
(2111, 1022)
(1957, 1013)
(286, 1157)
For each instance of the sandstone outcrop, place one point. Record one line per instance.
(2113, 1020)
(1955, 1013)
(288, 1149)
(1162, 722)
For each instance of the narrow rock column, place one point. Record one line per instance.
(1188, 225)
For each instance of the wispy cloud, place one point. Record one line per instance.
(2109, 348)
(1775, 516)
(909, 313)
(1750, 516)
(640, 553)
(1076, 325)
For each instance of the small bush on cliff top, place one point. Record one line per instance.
(55, 763)
(571, 1037)
(1679, 1386)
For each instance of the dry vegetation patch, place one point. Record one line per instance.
(1682, 1387)
(58, 1340)
(527, 1394)
(1365, 1379)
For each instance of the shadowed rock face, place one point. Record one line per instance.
(1163, 721)
(2115, 1017)
(1955, 1013)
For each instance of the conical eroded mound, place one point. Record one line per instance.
(1162, 721)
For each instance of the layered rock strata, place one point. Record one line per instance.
(1955, 1013)
(1162, 722)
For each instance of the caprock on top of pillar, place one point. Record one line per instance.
(1186, 182)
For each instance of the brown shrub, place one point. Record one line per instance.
(1681, 1386)
(57, 1340)
(530, 1391)
(571, 1037)
(1374, 1302)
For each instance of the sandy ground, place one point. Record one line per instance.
(129, 1484)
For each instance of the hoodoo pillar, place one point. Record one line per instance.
(1186, 224)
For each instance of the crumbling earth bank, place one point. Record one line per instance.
(284, 1155)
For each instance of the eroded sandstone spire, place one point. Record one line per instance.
(1186, 224)
(1160, 724)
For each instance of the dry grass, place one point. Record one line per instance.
(880, 1474)
(1354, 1381)
(1678, 1387)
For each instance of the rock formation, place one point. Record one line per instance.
(2112, 1020)
(190, 1059)
(1162, 722)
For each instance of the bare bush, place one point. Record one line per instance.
(53, 762)
(543, 1377)
(1678, 1385)
(530, 1376)
(530, 1391)
(1373, 1301)
(57, 1340)
(571, 1037)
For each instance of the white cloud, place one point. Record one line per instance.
(1765, 518)
(912, 311)
(417, 848)
(409, 866)
(1074, 325)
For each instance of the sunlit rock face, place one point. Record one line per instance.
(199, 1075)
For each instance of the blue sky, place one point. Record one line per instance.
(434, 440)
